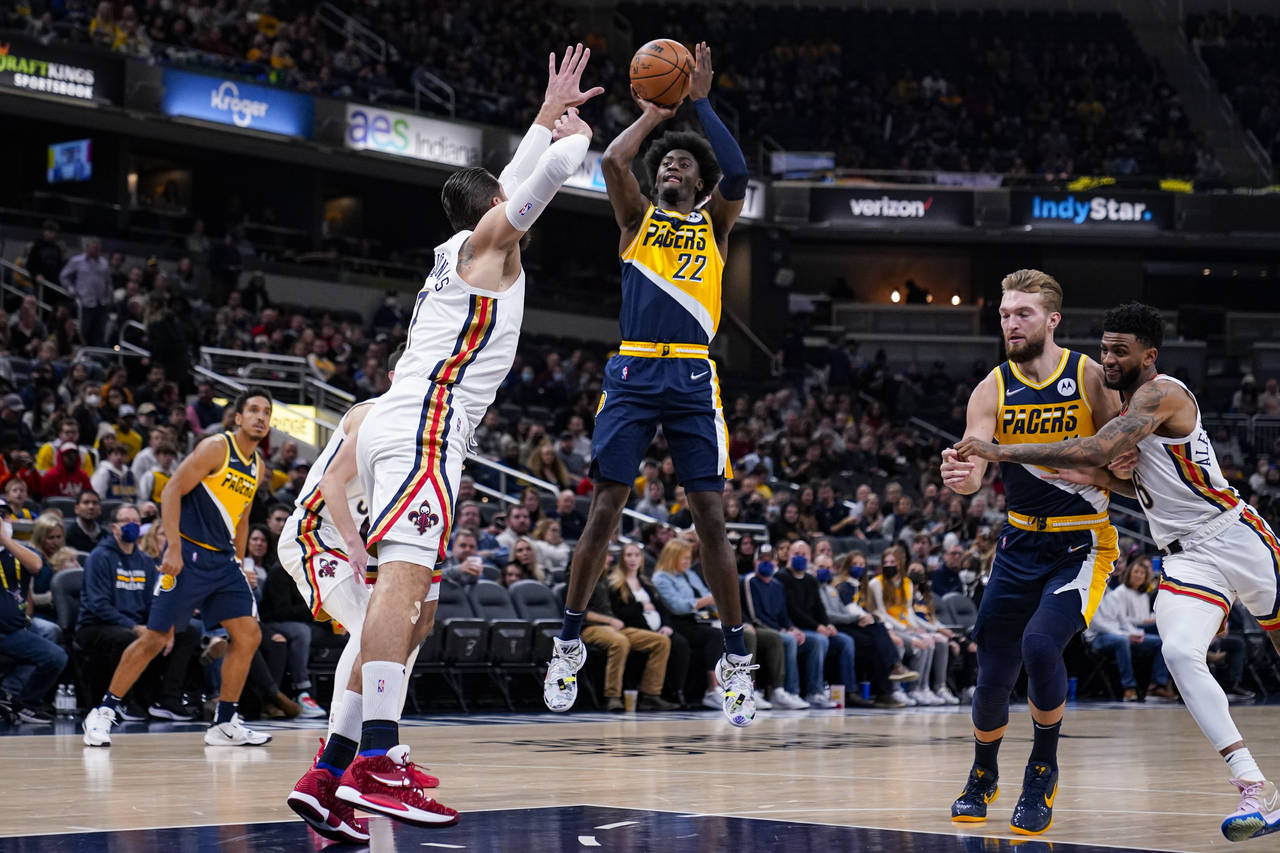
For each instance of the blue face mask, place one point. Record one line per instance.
(799, 562)
(856, 571)
(824, 575)
(130, 532)
(765, 569)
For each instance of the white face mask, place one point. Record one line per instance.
(968, 576)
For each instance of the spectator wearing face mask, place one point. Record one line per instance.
(804, 605)
(922, 607)
(890, 596)
(765, 603)
(875, 651)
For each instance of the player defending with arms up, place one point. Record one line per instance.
(1055, 551)
(1217, 548)
(205, 512)
(672, 247)
(461, 345)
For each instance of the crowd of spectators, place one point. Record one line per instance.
(1039, 93)
(1241, 52)
(863, 541)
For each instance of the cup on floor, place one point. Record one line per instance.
(865, 688)
(629, 700)
(837, 695)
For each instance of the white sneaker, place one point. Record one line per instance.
(310, 707)
(234, 733)
(762, 703)
(901, 696)
(819, 700)
(947, 696)
(785, 701)
(97, 726)
(560, 686)
(738, 691)
(925, 696)
(966, 695)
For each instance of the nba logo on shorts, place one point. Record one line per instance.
(625, 371)
(382, 683)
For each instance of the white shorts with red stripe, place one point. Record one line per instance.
(410, 453)
(1241, 562)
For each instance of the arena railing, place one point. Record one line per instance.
(41, 283)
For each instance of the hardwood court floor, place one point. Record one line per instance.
(1131, 777)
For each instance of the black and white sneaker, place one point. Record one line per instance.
(35, 715)
(169, 709)
(132, 713)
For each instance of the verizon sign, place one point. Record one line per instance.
(877, 207)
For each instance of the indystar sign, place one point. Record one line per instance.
(1137, 211)
(1098, 209)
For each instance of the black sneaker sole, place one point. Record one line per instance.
(166, 714)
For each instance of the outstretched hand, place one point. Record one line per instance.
(700, 80)
(564, 87)
(651, 109)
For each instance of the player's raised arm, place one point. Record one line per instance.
(333, 490)
(727, 199)
(501, 228)
(964, 476)
(629, 203)
(564, 90)
(203, 461)
(1152, 405)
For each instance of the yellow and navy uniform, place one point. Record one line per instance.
(671, 279)
(1058, 537)
(211, 577)
(158, 481)
(663, 373)
(211, 511)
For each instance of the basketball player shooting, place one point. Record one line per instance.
(672, 248)
(461, 345)
(1216, 546)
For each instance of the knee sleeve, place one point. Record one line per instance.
(1046, 673)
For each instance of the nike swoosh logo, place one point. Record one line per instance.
(1049, 798)
(696, 376)
(1077, 548)
(1015, 391)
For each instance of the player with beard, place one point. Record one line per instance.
(1056, 549)
(1217, 548)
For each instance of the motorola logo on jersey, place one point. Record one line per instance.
(1040, 420)
(1066, 387)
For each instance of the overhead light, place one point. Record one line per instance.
(1206, 271)
(955, 300)
(895, 297)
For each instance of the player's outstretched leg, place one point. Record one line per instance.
(721, 573)
(560, 685)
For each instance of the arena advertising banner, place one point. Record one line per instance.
(1113, 210)
(70, 75)
(406, 135)
(236, 103)
(890, 207)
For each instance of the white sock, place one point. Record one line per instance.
(382, 681)
(348, 715)
(1243, 767)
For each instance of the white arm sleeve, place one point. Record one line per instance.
(535, 141)
(554, 167)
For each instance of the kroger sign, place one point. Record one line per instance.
(238, 104)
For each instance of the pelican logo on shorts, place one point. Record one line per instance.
(167, 582)
(328, 568)
(423, 518)
(1066, 387)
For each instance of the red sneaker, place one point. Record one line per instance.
(392, 785)
(314, 799)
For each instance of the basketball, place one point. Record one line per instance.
(660, 72)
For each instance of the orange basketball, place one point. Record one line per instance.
(660, 72)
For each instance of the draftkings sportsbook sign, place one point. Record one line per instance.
(31, 68)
